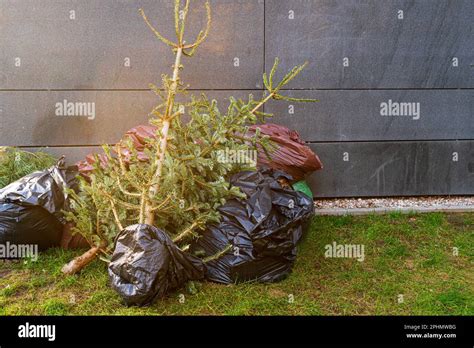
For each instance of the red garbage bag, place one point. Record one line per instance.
(87, 165)
(138, 135)
(289, 153)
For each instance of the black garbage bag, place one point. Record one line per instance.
(31, 225)
(259, 232)
(31, 207)
(46, 188)
(146, 265)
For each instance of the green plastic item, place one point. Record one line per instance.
(302, 186)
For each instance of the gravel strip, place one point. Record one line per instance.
(394, 203)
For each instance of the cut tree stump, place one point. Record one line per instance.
(80, 262)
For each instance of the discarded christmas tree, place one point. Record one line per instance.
(185, 175)
(16, 163)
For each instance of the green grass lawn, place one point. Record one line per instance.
(409, 255)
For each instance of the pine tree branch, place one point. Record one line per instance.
(219, 254)
(157, 34)
(202, 34)
(125, 192)
(183, 22)
(161, 204)
(259, 105)
(186, 232)
(114, 212)
(177, 4)
(118, 201)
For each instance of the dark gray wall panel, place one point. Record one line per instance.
(383, 51)
(29, 118)
(354, 115)
(89, 51)
(394, 169)
(373, 169)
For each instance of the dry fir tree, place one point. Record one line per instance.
(185, 179)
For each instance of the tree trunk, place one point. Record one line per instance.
(149, 214)
(80, 262)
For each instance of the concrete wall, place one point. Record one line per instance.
(363, 55)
